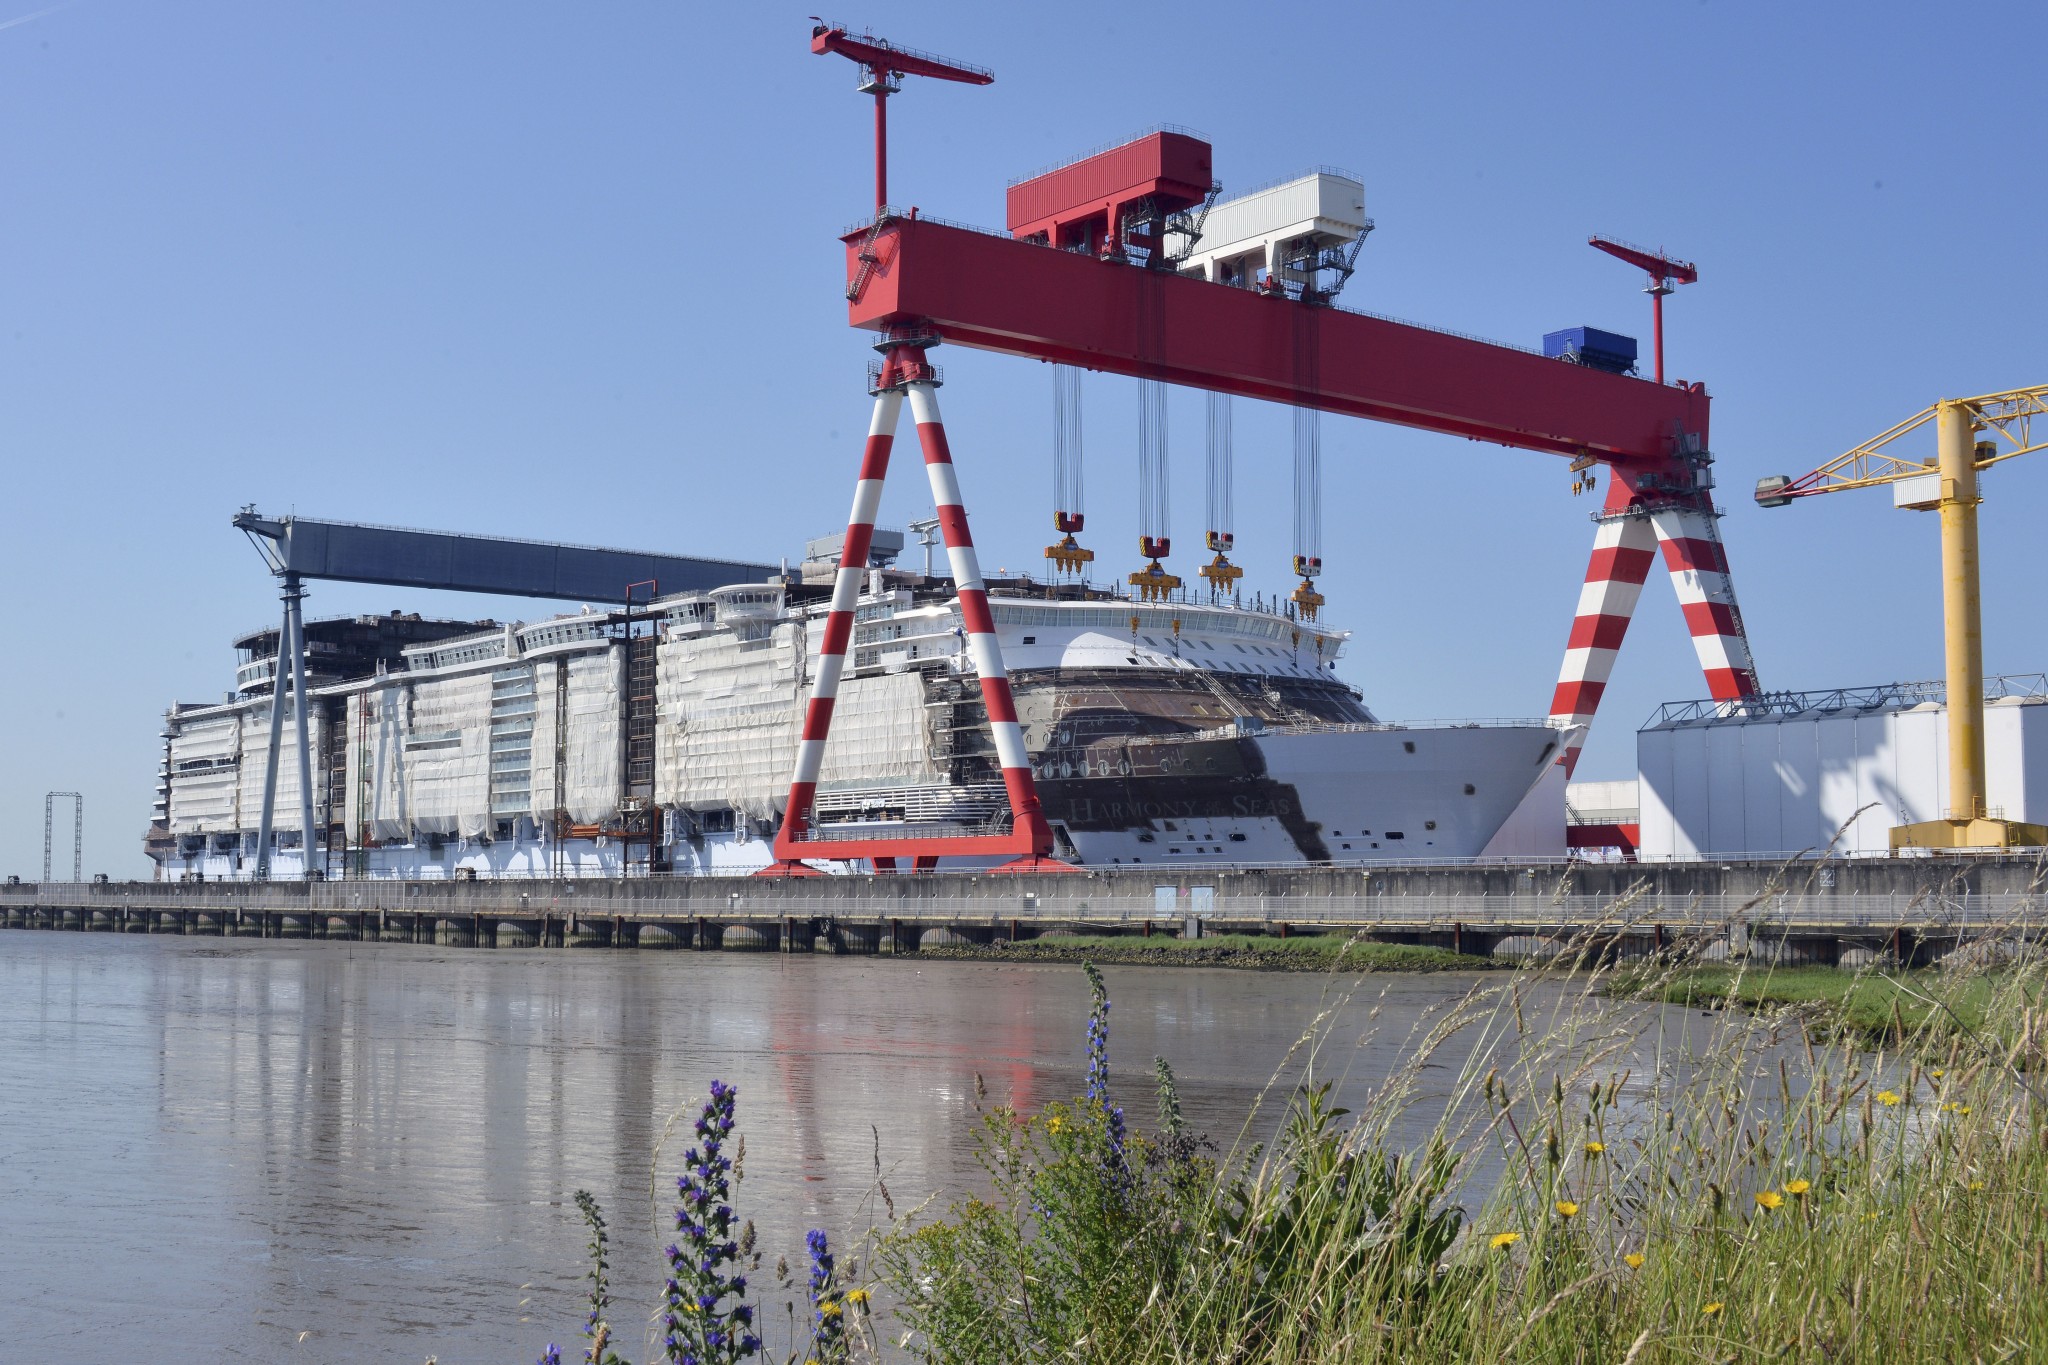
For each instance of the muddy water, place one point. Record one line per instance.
(334, 1152)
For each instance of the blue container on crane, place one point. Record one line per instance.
(1590, 346)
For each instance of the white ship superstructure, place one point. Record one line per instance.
(594, 745)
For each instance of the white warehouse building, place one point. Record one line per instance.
(1781, 774)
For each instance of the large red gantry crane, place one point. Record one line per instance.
(1085, 283)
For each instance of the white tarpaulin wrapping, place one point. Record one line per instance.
(550, 676)
(255, 743)
(878, 734)
(378, 740)
(729, 709)
(448, 754)
(203, 797)
(594, 742)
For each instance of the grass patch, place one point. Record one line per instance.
(1297, 953)
(1872, 1007)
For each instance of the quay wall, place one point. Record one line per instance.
(1863, 894)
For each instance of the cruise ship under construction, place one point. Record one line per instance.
(660, 740)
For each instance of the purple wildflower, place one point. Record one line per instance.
(828, 1312)
(1117, 1166)
(697, 1321)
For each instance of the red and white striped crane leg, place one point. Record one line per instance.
(982, 646)
(1691, 541)
(1623, 549)
(846, 589)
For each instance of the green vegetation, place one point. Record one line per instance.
(1873, 1005)
(1584, 1191)
(1552, 1173)
(1297, 953)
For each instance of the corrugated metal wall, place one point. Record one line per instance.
(1783, 784)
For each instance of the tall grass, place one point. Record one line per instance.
(1594, 1183)
(1555, 1171)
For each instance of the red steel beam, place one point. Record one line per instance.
(879, 55)
(994, 293)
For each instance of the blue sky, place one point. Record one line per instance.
(570, 272)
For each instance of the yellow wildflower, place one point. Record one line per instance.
(1951, 1107)
(1595, 1148)
(856, 1296)
(1889, 1097)
(1634, 1260)
(1503, 1240)
(1054, 1124)
(1770, 1199)
(1964, 1110)
(1713, 1308)
(829, 1308)
(1798, 1187)
(1976, 1184)
(1938, 1073)
(1566, 1208)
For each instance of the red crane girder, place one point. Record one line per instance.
(1660, 266)
(885, 58)
(993, 293)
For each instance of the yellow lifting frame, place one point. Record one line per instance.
(1951, 489)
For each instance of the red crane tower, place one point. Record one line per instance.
(1666, 275)
(918, 282)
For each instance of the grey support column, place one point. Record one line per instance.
(294, 596)
(277, 677)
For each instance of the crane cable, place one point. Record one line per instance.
(1153, 509)
(1155, 541)
(1067, 517)
(1308, 491)
(1220, 572)
(1308, 468)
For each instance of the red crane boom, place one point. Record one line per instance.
(882, 64)
(1666, 273)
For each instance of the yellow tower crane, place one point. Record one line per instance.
(1948, 484)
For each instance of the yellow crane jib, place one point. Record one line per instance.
(1946, 484)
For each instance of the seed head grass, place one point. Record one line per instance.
(1806, 1164)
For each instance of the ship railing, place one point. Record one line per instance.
(1336, 727)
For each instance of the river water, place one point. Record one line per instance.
(215, 1150)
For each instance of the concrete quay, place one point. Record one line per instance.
(1910, 909)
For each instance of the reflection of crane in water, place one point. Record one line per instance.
(810, 1038)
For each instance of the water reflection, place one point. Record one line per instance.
(261, 1151)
